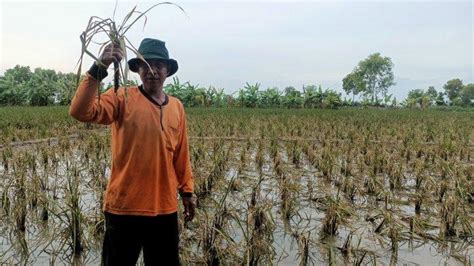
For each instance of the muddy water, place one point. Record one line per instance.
(47, 242)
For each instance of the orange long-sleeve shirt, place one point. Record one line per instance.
(150, 153)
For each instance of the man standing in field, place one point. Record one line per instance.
(150, 157)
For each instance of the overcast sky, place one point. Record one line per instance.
(277, 43)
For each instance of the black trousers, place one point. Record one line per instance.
(126, 235)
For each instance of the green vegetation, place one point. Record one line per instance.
(20, 86)
(253, 97)
(371, 78)
(289, 186)
(22, 123)
(457, 93)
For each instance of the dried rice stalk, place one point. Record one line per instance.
(116, 34)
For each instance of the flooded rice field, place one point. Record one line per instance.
(291, 188)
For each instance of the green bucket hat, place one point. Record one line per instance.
(153, 49)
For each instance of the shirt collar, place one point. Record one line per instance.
(151, 99)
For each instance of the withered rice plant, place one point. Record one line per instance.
(115, 33)
(260, 227)
(336, 213)
(214, 230)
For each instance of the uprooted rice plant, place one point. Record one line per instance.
(301, 187)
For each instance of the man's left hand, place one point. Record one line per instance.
(189, 204)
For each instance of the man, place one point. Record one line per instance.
(150, 157)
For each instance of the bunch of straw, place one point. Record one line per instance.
(115, 34)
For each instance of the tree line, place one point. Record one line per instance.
(455, 94)
(252, 96)
(41, 87)
(369, 80)
(372, 77)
